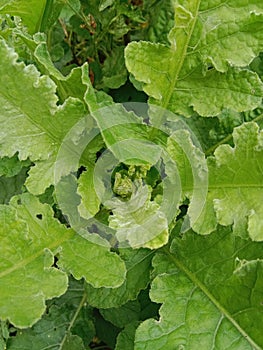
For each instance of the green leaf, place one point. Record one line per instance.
(90, 203)
(12, 166)
(115, 123)
(106, 331)
(31, 11)
(67, 86)
(94, 262)
(27, 259)
(139, 221)
(105, 3)
(235, 186)
(10, 186)
(36, 127)
(191, 164)
(179, 78)
(160, 20)
(211, 291)
(123, 315)
(137, 278)
(4, 334)
(125, 339)
(72, 6)
(61, 325)
(114, 70)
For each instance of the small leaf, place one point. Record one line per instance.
(114, 70)
(125, 339)
(90, 203)
(139, 221)
(10, 186)
(137, 278)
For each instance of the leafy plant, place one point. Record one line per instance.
(131, 174)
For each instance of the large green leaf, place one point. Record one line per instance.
(26, 261)
(179, 77)
(36, 127)
(31, 11)
(235, 188)
(211, 291)
(231, 193)
(27, 258)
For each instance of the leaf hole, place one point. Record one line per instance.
(39, 216)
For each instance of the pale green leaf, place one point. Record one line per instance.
(36, 127)
(26, 261)
(90, 203)
(27, 258)
(64, 318)
(178, 77)
(235, 188)
(31, 11)
(70, 85)
(139, 221)
(211, 291)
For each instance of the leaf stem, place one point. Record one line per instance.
(71, 324)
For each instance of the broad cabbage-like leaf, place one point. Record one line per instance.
(235, 188)
(36, 126)
(211, 291)
(31, 11)
(197, 71)
(27, 256)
